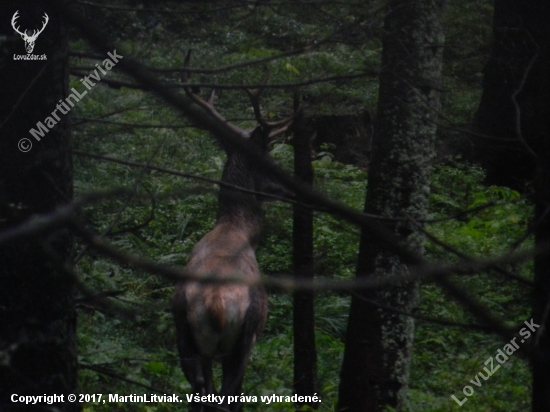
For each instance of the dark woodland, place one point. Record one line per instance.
(260, 205)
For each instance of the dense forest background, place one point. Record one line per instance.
(135, 162)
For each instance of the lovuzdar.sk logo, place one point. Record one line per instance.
(29, 38)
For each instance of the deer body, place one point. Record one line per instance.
(216, 313)
(221, 322)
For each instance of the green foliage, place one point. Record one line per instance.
(141, 347)
(444, 363)
(488, 230)
(467, 43)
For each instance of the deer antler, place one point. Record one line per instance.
(35, 32)
(13, 19)
(283, 124)
(254, 95)
(15, 16)
(208, 105)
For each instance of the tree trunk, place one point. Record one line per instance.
(305, 352)
(512, 75)
(539, 134)
(37, 317)
(513, 115)
(378, 349)
(347, 136)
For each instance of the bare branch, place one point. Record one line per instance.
(114, 375)
(465, 257)
(517, 109)
(182, 174)
(117, 84)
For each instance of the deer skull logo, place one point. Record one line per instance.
(29, 40)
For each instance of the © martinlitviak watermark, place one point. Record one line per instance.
(64, 106)
(501, 357)
(29, 39)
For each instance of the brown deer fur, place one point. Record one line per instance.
(221, 322)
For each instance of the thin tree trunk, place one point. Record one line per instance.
(305, 352)
(378, 349)
(37, 317)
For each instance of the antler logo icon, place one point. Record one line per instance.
(29, 40)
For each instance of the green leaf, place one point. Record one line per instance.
(289, 67)
(156, 367)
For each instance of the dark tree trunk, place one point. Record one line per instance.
(537, 133)
(513, 74)
(37, 317)
(305, 352)
(348, 137)
(378, 349)
(513, 114)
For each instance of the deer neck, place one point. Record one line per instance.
(240, 209)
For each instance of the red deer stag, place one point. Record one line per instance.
(221, 322)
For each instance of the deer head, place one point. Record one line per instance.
(257, 139)
(28, 39)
